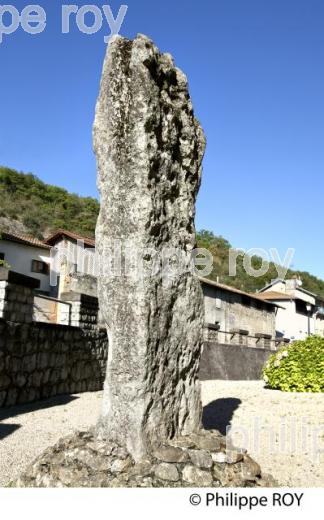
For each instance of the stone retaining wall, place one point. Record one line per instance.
(16, 296)
(83, 311)
(40, 360)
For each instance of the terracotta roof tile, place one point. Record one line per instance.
(275, 295)
(24, 239)
(74, 236)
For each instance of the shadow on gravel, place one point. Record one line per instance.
(218, 414)
(13, 411)
(8, 429)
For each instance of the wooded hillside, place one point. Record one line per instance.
(29, 205)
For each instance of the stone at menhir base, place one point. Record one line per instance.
(149, 149)
(82, 460)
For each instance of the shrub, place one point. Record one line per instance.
(4, 264)
(298, 367)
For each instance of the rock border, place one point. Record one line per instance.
(197, 460)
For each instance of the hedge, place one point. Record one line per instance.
(298, 367)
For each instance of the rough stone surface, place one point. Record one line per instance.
(201, 458)
(38, 361)
(121, 465)
(81, 460)
(252, 469)
(149, 149)
(219, 457)
(197, 476)
(212, 442)
(167, 471)
(170, 454)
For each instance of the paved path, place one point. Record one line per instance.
(25, 431)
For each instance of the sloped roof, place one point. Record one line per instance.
(275, 295)
(59, 233)
(253, 296)
(24, 239)
(274, 282)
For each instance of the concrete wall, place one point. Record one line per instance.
(84, 284)
(232, 362)
(39, 360)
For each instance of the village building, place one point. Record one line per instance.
(237, 317)
(281, 310)
(28, 256)
(300, 312)
(73, 263)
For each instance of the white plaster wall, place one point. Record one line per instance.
(20, 257)
(305, 297)
(297, 293)
(291, 324)
(319, 325)
(3, 286)
(277, 286)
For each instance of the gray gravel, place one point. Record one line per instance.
(27, 430)
(276, 427)
(266, 418)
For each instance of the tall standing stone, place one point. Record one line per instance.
(149, 149)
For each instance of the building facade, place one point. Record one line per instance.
(28, 256)
(300, 312)
(232, 316)
(238, 317)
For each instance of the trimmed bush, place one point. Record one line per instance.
(298, 367)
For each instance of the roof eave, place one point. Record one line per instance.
(220, 286)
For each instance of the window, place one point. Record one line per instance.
(301, 308)
(39, 267)
(2, 255)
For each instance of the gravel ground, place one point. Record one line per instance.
(282, 431)
(27, 430)
(269, 421)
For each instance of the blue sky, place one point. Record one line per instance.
(256, 75)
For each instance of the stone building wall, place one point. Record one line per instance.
(238, 312)
(40, 360)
